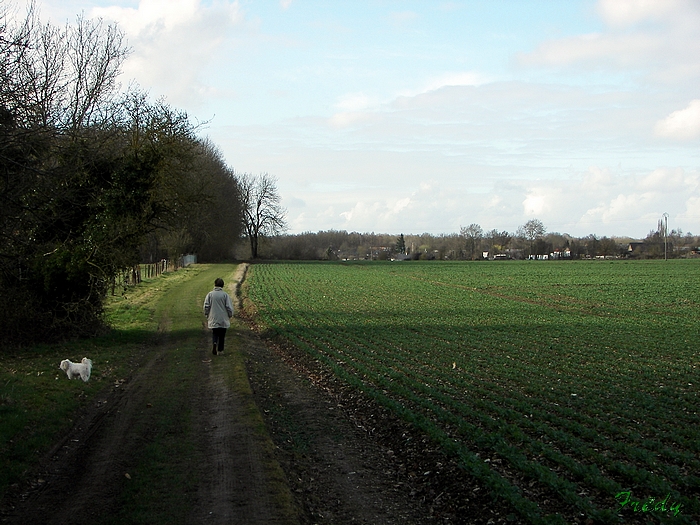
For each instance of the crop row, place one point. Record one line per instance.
(582, 404)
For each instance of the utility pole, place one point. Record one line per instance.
(665, 236)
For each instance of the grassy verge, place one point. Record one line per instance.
(235, 372)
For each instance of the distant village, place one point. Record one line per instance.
(473, 244)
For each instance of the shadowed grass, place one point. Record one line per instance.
(38, 403)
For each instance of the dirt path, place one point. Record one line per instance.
(337, 472)
(279, 444)
(243, 482)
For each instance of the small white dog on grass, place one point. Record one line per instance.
(81, 369)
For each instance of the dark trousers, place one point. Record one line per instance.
(218, 335)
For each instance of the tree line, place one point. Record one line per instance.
(95, 178)
(530, 240)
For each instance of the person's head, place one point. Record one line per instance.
(219, 282)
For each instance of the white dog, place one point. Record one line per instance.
(81, 369)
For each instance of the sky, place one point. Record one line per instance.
(425, 116)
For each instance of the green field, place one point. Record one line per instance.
(560, 385)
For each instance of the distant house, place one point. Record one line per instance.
(561, 254)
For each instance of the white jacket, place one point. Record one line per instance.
(218, 308)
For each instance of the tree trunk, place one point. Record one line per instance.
(254, 246)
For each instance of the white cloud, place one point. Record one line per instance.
(630, 199)
(660, 38)
(535, 203)
(463, 78)
(682, 124)
(621, 204)
(354, 108)
(151, 16)
(664, 180)
(691, 214)
(623, 13)
(346, 119)
(174, 42)
(400, 18)
(595, 49)
(401, 204)
(597, 179)
(619, 208)
(497, 154)
(447, 79)
(360, 107)
(380, 213)
(359, 210)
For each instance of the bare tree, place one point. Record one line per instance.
(96, 53)
(263, 214)
(498, 240)
(531, 231)
(473, 235)
(64, 78)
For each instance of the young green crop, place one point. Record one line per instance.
(579, 375)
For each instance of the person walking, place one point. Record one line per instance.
(218, 309)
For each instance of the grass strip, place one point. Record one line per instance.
(162, 485)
